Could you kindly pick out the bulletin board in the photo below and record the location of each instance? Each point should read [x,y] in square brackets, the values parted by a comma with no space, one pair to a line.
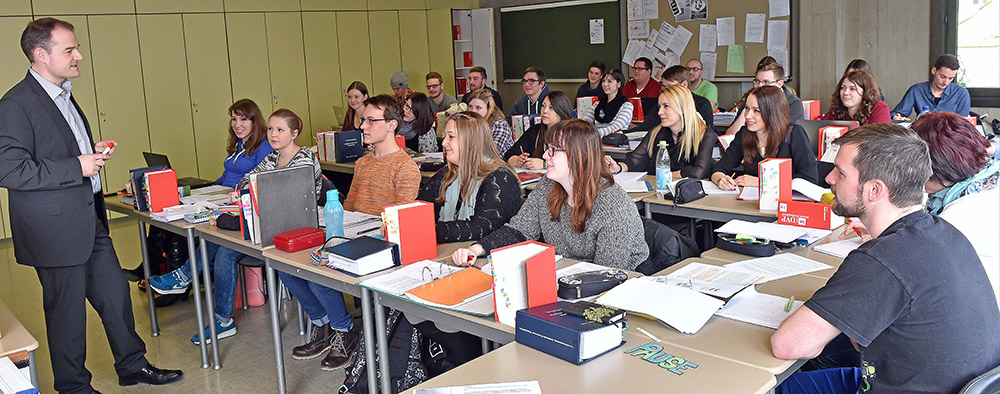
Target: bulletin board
[738,9]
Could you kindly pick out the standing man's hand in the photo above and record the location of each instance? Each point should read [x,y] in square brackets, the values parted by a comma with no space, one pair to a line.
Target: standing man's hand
[108,145]
[91,164]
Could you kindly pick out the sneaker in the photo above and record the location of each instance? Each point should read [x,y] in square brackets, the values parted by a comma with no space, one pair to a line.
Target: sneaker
[321,341]
[221,331]
[171,283]
[342,349]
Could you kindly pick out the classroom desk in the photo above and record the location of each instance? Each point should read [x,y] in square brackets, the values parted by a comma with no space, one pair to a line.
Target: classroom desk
[727,257]
[299,264]
[17,339]
[180,227]
[714,207]
[615,371]
[348,168]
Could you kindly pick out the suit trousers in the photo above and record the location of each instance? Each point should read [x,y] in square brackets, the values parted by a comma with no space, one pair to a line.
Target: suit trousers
[65,291]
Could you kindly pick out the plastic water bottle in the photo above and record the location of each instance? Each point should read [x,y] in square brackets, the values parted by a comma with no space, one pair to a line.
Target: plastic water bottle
[333,215]
[924,110]
[663,174]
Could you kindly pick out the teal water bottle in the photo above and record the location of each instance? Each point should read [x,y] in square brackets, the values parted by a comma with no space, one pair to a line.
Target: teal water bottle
[333,215]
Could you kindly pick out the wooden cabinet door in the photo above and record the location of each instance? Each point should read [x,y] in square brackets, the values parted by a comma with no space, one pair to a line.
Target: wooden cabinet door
[286,60]
[211,91]
[319,32]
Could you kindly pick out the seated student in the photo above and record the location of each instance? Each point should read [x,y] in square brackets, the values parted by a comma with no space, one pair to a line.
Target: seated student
[678,75]
[400,86]
[527,151]
[938,94]
[576,207]
[642,83]
[613,112]
[386,175]
[767,134]
[477,80]
[771,74]
[440,100]
[699,86]
[476,192]
[418,124]
[857,98]
[357,93]
[911,298]
[481,102]
[688,142]
[533,83]
[592,88]
[282,128]
[861,65]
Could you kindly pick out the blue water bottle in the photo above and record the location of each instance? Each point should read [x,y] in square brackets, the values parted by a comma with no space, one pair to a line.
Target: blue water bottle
[333,215]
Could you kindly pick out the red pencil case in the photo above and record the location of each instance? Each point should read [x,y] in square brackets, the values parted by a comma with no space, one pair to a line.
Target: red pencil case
[296,240]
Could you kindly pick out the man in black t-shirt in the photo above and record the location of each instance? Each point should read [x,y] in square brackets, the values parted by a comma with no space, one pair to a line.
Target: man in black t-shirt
[915,298]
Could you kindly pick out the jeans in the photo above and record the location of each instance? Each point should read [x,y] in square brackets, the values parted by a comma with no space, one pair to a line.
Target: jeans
[319,302]
[824,381]
[223,260]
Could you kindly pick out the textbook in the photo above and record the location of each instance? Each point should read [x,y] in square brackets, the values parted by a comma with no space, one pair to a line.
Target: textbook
[136,181]
[549,329]
[363,255]
[348,146]
[775,182]
[411,226]
[827,150]
[160,189]
[524,275]
[585,105]
[595,312]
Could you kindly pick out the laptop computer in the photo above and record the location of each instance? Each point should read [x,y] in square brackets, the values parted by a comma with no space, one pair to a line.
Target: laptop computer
[156,159]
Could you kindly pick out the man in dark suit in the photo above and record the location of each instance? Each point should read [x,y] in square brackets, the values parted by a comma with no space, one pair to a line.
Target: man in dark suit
[50,164]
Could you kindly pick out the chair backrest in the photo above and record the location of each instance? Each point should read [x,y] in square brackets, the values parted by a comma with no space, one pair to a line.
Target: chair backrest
[987,383]
[326,186]
[666,247]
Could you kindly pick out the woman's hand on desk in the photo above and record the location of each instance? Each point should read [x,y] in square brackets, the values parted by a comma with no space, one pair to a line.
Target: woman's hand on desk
[723,182]
[234,196]
[465,257]
[747,180]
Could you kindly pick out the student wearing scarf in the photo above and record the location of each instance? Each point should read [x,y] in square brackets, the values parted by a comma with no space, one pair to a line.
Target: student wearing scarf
[613,112]
[477,192]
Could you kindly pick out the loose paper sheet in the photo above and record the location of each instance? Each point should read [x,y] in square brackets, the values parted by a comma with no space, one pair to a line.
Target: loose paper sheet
[651,9]
[735,59]
[708,60]
[727,30]
[752,307]
[673,59]
[680,39]
[780,55]
[527,387]
[597,31]
[707,37]
[778,8]
[779,266]
[684,309]
[638,29]
[633,51]
[754,28]
[633,8]
[777,34]
[666,32]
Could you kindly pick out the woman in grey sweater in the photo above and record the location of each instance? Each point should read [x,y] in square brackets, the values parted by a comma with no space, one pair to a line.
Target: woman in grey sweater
[575,208]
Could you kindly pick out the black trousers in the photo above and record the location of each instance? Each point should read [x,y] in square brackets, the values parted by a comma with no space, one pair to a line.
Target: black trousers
[65,291]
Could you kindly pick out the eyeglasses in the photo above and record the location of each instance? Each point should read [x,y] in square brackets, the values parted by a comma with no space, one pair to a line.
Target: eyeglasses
[371,120]
[758,82]
[529,81]
[695,68]
[434,86]
[407,107]
[641,68]
[551,150]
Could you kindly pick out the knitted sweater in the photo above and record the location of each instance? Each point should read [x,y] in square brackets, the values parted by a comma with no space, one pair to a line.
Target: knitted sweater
[380,181]
[612,236]
[304,157]
[498,200]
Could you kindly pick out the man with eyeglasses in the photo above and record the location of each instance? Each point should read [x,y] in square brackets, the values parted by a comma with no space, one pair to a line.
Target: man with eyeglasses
[477,80]
[642,84]
[440,100]
[771,73]
[701,87]
[533,82]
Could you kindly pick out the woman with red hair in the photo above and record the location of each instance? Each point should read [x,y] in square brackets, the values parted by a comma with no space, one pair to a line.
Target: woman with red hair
[576,207]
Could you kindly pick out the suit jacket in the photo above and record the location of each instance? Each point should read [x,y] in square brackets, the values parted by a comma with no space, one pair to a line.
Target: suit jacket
[51,204]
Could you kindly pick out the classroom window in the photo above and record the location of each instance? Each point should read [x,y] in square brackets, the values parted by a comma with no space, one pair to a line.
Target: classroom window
[978,43]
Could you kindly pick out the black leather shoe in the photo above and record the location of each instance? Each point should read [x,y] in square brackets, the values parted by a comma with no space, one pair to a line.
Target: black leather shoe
[342,350]
[151,375]
[135,274]
[321,341]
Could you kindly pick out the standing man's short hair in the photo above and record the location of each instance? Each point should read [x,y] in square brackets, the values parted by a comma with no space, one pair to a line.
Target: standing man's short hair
[478,69]
[38,34]
[896,156]
[537,71]
[947,60]
[391,108]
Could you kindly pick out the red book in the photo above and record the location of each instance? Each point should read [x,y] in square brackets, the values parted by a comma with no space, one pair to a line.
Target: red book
[808,214]
[524,276]
[637,115]
[411,226]
[462,85]
[161,187]
[811,108]
[401,141]
[467,58]
[775,177]
[456,32]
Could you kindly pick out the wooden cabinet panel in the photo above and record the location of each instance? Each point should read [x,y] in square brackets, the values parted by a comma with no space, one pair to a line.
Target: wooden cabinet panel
[12,71]
[211,91]
[15,8]
[355,54]
[120,95]
[439,47]
[82,7]
[286,58]
[261,5]
[248,63]
[413,47]
[396,4]
[165,77]
[177,6]
[319,31]
[384,41]
[333,5]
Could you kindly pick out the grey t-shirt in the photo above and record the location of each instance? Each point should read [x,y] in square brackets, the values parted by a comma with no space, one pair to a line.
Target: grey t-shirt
[445,103]
[918,303]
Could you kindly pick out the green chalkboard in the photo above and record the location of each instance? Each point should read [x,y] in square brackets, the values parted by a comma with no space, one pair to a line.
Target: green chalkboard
[557,39]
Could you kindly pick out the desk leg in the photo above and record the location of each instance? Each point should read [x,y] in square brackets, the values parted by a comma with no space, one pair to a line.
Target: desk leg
[383,344]
[196,284]
[272,301]
[210,304]
[486,345]
[369,332]
[153,323]
[647,212]
[32,368]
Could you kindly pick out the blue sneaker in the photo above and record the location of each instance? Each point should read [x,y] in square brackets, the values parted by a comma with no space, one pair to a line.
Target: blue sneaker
[222,330]
[171,283]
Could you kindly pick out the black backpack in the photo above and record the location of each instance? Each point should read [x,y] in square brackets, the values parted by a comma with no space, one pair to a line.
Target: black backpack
[406,367]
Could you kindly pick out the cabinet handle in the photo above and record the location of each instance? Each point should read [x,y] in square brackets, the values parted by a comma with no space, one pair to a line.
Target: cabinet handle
[195,104]
[103,113]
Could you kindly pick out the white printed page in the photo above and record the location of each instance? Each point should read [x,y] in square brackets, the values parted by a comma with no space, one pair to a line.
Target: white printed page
[779,266]
[410,276]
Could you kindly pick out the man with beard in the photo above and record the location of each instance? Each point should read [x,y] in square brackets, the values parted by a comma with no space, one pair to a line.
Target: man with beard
[911,298]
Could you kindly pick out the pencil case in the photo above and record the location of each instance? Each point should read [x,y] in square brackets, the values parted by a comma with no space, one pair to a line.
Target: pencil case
[756,248]
[586,284]
[296,240]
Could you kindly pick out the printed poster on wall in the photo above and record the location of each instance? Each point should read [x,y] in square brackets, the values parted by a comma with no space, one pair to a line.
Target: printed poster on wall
[596,31]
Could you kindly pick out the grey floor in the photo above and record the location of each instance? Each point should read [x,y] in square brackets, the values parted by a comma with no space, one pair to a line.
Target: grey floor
[247,358]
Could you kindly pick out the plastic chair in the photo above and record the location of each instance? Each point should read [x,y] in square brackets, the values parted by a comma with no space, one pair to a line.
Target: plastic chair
[987,383]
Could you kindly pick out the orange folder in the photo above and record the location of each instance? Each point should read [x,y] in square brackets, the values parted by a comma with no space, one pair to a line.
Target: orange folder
[455,288]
